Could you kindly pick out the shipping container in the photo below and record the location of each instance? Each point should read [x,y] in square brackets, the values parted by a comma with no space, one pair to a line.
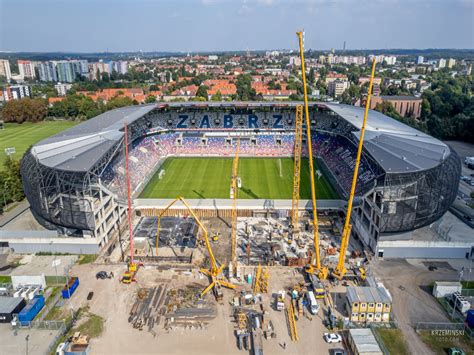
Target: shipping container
[470,318]
[70,287]
[30,311]
[10,306]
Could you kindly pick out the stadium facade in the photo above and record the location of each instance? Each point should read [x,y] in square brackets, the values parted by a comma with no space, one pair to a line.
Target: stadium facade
[74,180]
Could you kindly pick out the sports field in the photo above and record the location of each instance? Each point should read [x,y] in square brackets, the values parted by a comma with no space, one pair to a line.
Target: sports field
[262,178]
[21,136]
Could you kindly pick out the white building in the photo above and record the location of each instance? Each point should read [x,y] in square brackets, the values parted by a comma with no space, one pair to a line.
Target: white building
[451,62]
[16,92]
[5,69]
[295,61]
[420,60]
[26,69]
[390,60]
[62,89]
[442,63]
[337,87]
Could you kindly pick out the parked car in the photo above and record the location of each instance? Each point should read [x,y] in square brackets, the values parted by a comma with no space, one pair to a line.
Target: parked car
[90,295]
[332,338]
[101,275]
[337,352]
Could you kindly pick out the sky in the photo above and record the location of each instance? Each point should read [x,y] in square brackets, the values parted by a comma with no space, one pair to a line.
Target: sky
[227,25]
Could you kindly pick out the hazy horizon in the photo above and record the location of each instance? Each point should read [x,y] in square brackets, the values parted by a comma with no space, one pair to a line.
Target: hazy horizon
[106,26]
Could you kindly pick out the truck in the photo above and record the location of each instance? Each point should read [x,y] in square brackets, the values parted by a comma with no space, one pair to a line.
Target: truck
[312,303]
[280,301]
[29,312]
[318,288]
[71,286]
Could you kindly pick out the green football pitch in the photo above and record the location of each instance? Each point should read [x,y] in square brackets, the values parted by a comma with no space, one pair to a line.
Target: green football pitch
[21,136]
[262,178]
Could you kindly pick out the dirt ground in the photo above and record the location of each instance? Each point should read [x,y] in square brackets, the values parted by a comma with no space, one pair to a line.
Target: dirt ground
[408,284]
[113,301]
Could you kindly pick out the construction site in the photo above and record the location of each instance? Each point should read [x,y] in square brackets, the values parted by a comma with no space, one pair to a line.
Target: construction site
[271,275]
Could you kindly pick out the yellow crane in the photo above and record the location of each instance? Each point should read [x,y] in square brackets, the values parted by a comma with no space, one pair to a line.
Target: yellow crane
[297,168]
[340,269]
[215,272]
[315,266]
[234,190]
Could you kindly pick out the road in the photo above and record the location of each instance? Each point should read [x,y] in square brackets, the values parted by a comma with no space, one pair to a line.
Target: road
[408,284]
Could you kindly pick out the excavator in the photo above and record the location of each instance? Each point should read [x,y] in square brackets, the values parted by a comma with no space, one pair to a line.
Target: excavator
[216,279]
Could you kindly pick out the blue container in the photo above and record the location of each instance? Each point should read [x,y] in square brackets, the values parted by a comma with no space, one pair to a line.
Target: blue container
[70,288]
[30,311]
[470,318]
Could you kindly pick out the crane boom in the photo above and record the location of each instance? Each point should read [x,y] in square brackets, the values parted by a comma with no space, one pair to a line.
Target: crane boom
[340,270]
[322,272]
[234,189]
[297,168]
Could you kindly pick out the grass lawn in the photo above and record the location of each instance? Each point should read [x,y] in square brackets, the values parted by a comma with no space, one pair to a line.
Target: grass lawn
[262,178]
[393,340]
[87,259]
[21,136]
[440,344]
[5,279]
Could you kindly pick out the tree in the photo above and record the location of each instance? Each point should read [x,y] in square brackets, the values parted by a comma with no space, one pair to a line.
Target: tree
[150,99]
[11,187]
[245,92]
[202,91]
[311,75]
[217,96]
[24,110]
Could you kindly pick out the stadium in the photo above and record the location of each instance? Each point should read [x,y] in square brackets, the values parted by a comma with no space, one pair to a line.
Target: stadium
[75,180]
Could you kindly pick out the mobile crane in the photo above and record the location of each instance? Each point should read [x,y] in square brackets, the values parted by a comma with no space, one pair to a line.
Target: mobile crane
[234,189]
[214,272]
[297,169]
[314,266]
[129,275]
[340,269]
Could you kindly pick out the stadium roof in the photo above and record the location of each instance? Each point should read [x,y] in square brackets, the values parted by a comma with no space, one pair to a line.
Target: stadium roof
[394,145]
[79,148]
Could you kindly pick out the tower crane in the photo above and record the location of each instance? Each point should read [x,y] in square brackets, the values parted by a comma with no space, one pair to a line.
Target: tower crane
[315,266]
[297,169]
[340,269]
[216,279]
[233,190]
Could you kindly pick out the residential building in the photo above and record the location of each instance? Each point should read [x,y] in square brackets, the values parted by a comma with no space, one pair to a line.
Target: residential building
[62,89]
[420,60]
[406,106]
[47,71]
[26,69]
[368,304]
[390,60]
[332,76]
[336,88]
[451,62]
[66,71]
[16,92]
[366,79]
[442,63]
[121,67]
[5,69]
[295,61]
